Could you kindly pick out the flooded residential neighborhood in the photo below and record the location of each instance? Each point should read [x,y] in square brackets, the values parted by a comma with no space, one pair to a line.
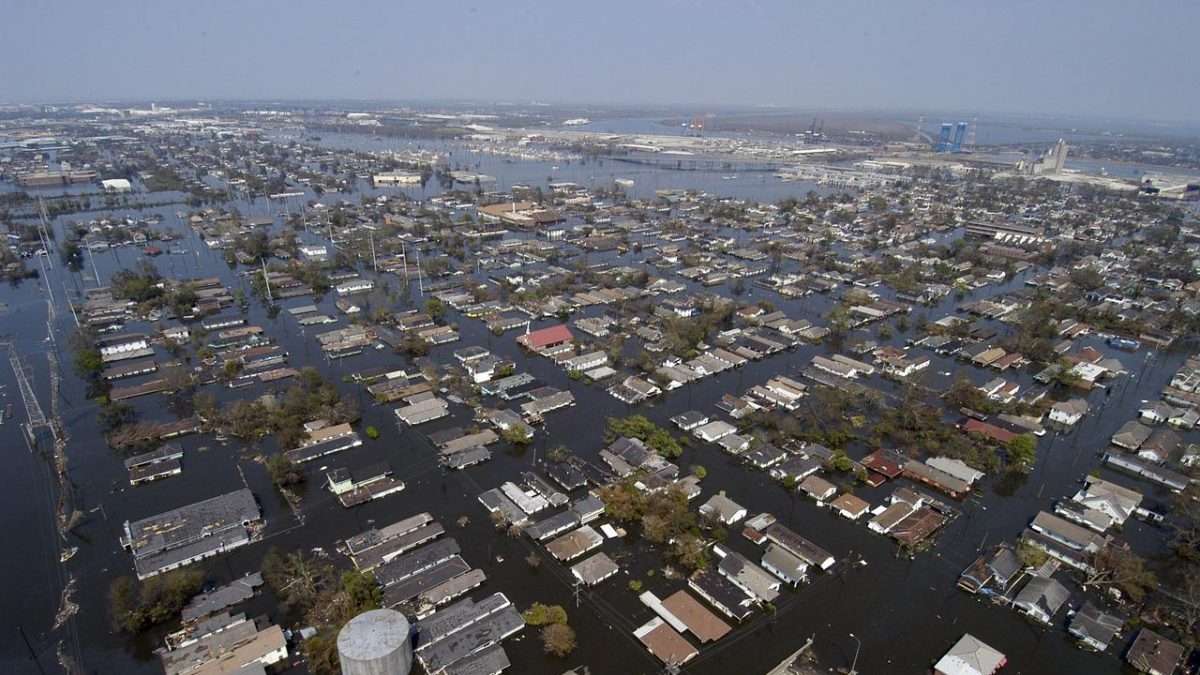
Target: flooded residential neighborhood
[451,387]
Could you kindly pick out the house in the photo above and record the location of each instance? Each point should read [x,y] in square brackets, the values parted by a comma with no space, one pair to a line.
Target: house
[888,463]
[690,420]
[714,431]
[746,575]
[936,478]
[818,488]
[1153,654]
[996,569]
[1094,627]
[970,656]
[781,563]
[722,594]
[797,469]
[1066,533]
[1184,418]
[1131,435]
[1041,599]
[734,444]
[849,506]
[354,286]
[1110,503]
[799,546]
[885,520]
[1069,413]
[585,362]
[705,625]
[546,340]
[990,431]
[1156,412]
[1148,470]
[956,468]
[917,526]
[665,643]
[1160,447]
[722,508]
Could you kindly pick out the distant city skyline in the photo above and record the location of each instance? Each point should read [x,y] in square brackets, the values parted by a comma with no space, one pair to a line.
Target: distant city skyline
[1068,58]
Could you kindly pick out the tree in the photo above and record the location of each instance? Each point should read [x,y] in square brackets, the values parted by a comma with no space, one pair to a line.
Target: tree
[159,599]
[284,471]
[1188,595]
[840,462]
[299,582]
[690,552]
[1120,569]
[541,615]
[113,414]
[178,379]
[412,346]
[321,653]
[1022,451]
[638,426]
[964,394]
[205,405]
[372,433]
[558,639]
[436,309]
[1031,556]
[88,363]
[1185,540]
[516,435]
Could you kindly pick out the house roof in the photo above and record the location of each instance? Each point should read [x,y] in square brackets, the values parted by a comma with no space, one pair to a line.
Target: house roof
[1091,622]
[663,642]
[1153,653]
[817,486]
[850,503]
[1047,594]
[723,507]
[970,656]
[548,336]
[1132,434]
[702,623]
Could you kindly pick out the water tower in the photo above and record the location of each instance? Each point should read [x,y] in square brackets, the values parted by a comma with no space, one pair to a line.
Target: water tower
[375,643]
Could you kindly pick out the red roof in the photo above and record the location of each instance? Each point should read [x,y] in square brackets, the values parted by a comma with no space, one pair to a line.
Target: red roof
[887,462]
[990,430]
[547,337]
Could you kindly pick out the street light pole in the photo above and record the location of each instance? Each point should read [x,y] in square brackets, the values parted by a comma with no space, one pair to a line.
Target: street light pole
[858,646]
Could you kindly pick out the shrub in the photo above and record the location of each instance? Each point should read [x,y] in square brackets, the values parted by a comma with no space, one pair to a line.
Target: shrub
[558,639]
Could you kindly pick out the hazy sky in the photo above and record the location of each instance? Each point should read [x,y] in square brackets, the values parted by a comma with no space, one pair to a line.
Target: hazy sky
[1091,57]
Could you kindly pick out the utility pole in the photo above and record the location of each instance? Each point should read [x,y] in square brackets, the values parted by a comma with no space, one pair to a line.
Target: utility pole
[267,282]
[70,304]
[32,654]
[858,646]
[92,257]
[374,262]
[43,234]
[404,254]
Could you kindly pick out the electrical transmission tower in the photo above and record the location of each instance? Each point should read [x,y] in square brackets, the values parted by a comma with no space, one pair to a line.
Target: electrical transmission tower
[35,416]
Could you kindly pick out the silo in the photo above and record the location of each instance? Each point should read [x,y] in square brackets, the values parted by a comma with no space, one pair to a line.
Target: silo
[375,643]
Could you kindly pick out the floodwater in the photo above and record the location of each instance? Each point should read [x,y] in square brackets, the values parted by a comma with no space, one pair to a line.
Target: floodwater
[906,612]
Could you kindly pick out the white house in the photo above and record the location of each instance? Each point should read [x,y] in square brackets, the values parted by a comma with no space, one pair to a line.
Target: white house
[1069,413]
[723,509]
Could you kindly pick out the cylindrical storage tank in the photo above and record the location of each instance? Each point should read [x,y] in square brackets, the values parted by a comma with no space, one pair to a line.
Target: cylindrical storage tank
[375,643]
